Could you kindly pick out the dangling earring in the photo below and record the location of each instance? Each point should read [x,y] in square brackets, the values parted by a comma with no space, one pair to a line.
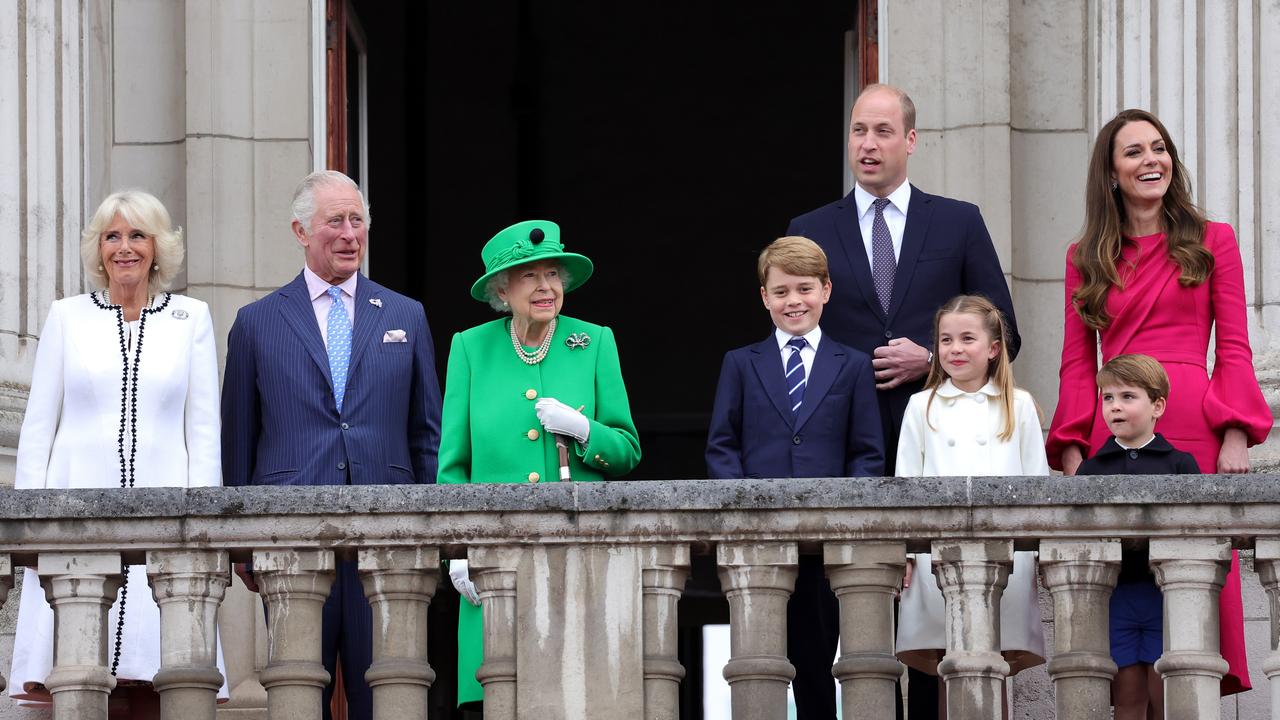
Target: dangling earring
[1114,185]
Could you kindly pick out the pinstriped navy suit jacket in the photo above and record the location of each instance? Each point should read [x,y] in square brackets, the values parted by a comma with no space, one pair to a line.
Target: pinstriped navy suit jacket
[280,423]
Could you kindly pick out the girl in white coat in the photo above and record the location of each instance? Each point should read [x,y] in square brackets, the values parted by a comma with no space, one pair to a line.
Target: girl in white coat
[108,410]
[970,420]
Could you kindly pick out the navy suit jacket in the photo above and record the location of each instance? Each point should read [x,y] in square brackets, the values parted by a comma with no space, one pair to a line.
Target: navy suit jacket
[280,422]
[946,251]
[755,434]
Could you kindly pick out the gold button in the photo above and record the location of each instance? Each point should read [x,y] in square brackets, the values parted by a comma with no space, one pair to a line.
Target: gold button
[530,394]
[597,458]
[534,477]
[533,434]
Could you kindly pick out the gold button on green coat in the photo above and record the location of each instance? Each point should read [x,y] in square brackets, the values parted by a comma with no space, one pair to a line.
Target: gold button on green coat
[485,404]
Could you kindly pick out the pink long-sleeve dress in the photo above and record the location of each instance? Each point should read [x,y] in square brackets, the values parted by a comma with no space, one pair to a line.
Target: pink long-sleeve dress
[1154,315]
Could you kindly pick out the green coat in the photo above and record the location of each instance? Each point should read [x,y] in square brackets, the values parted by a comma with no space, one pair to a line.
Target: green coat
[491,432]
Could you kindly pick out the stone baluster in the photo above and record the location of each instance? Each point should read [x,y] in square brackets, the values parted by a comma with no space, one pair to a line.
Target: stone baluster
[493,570]
[758,579]
[1267,562]
[865,577]
[81,589]
[188,586]
[294,585]
[1080,575]
[1190,572]
[664,570]
[6,584]
[972,575]
[399,583]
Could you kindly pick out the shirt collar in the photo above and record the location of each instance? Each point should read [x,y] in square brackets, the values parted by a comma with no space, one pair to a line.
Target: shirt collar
[899,198]
[813,337]
[948,390]
[1157,444]
[317,287]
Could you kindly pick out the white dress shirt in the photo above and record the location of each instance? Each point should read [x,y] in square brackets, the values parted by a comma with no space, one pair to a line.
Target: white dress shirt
[807,353]
[321,302]
[895,215]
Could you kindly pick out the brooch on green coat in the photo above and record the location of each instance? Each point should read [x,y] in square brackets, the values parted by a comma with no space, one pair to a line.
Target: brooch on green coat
[577,340]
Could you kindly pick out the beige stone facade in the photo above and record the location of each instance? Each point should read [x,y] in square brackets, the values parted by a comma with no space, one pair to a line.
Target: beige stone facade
[217,107]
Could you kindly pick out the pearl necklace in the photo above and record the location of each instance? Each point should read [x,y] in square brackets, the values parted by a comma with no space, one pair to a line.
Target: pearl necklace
[532,358]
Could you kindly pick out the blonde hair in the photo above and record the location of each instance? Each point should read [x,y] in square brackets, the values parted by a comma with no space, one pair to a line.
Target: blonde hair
[1140,371]
[793,255]
[1000,369]
[143,211]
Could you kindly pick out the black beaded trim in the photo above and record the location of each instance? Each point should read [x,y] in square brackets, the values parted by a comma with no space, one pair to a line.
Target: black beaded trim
[129,413]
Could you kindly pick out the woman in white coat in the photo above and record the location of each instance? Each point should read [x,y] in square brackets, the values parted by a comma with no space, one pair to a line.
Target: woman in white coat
[124,395]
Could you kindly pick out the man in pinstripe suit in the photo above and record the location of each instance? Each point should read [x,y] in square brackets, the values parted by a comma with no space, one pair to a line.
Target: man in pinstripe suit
[331,380]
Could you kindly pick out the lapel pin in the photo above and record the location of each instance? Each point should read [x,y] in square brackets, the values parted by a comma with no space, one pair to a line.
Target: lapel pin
[577,340]
[180,314]
[376,302]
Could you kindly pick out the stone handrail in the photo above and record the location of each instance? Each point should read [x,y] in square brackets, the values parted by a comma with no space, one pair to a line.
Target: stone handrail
[587,575]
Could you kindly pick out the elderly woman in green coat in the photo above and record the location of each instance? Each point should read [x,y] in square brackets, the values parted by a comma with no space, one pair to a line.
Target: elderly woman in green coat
[516,383]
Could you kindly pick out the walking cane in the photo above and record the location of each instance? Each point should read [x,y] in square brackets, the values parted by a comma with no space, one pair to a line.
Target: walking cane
[562,447]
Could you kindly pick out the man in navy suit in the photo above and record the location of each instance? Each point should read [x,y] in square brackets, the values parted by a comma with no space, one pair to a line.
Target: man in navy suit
[897,254]
[331,380]
[798,404]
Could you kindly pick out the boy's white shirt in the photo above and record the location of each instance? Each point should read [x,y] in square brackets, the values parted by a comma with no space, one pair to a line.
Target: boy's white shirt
[807,353]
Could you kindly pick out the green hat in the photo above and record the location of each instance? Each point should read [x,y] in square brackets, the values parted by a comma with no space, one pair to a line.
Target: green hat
[526,242]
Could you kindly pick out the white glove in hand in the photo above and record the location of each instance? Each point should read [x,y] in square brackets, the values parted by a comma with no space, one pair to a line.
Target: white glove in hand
[557,417]
[462,581]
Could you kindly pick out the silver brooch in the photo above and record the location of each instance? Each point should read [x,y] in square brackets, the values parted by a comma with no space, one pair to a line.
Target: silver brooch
[376,302]
[577,340]
[180,314]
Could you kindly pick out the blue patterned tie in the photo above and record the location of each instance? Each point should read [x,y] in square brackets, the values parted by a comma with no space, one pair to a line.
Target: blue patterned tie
[339,329]
[883,263]
[795,374]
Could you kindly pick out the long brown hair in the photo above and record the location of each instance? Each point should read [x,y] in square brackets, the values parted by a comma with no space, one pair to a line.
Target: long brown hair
[999,369]
[1098,251]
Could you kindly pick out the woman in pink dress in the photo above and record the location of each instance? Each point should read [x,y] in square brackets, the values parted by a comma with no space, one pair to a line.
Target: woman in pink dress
[1151,275]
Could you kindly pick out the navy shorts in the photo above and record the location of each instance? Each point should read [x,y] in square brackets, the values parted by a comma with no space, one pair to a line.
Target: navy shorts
[1137,624]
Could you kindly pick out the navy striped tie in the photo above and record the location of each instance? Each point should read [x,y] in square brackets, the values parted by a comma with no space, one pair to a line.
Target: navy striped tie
[795,374]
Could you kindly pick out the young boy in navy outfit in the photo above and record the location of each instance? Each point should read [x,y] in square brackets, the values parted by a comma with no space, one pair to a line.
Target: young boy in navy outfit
[798,404]
[1134,389]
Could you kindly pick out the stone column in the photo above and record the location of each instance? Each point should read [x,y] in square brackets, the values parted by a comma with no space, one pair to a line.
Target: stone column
[972,575]
[6,584]
[1190,572]
[188,585]
[1267,562]
[399,583]
[758,579]
[865,577]
[81,589]
[493,570]
[1080,574]
[665,568]
[294,585]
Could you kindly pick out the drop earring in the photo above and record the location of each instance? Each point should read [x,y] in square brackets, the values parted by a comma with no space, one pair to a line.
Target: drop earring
[1114,184]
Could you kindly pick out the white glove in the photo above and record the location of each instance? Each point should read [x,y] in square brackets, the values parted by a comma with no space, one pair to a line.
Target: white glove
[559,418]
[462,581]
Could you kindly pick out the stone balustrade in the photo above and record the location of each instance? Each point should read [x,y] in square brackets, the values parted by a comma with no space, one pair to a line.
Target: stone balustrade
[580,581]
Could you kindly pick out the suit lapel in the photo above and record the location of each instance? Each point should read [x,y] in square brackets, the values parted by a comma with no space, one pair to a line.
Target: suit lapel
[919,213]
[767,361]
[368,320]
[827,364]
[855,252]
[301,317]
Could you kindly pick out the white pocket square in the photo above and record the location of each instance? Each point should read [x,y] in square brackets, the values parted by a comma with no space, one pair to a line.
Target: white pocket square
[394,336]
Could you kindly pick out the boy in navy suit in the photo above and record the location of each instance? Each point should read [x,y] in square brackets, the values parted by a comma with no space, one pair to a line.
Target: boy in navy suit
[799,404]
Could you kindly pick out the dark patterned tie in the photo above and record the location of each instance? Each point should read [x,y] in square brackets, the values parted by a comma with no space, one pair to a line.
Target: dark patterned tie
[795,374]
[883,264]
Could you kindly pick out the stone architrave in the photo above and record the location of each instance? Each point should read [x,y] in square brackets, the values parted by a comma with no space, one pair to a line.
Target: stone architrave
[294,585]
[972,575]
[664,570]
[1081,574]
[865,577]
[758,579]
[494,571]
[1267,562]
[6,584]
[188,586]
[399,583]
[1190,572]
[80,588]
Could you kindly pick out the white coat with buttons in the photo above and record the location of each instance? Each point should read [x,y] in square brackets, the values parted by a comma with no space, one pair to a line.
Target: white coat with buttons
[961,437]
